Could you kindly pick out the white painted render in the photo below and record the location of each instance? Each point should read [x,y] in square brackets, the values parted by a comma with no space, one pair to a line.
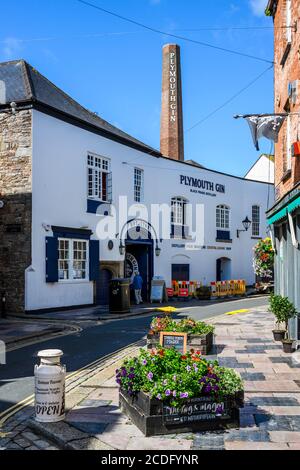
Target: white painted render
[60,199]
[262,170]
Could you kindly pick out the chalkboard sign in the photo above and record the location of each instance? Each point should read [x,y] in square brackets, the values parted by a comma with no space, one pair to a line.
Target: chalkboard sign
[170,340]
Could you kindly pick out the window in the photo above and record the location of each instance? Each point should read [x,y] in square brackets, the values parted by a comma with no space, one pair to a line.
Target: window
[178,209]
[289,21]
[99,178]
[223,217]
[288,144]
[179,229]
[255,221]
[138,185]
[72,259]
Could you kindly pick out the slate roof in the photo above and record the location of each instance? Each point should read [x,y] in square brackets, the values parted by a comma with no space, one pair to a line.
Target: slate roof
[21,83]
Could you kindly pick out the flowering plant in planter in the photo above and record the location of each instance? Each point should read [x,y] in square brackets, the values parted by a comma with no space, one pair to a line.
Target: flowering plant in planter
[264,258]
[169,376]
[187,325]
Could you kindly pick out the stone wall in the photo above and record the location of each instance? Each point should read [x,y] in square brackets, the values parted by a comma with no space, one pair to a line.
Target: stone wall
[285,72]
[15,216]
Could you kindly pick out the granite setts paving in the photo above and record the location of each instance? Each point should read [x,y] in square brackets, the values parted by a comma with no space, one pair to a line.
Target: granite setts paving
[270,419]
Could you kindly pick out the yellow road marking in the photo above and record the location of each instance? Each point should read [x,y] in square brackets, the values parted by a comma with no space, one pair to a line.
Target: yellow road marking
[236,312]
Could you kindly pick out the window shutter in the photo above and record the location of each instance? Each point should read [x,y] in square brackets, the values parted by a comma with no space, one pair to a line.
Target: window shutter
[51,259]
[94,260]
[109,187]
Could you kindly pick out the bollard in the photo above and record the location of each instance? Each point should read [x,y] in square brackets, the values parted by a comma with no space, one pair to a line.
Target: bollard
[50,377]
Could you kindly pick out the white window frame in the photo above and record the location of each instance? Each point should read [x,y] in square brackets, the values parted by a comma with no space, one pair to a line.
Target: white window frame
[223,212]
[178,215]
[71,260]
[289,21]
[288,144]
[138,185]
[96,166]
[256,223]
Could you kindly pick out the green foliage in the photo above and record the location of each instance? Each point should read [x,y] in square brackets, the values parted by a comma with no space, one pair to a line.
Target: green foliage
[268,12]
[167,375]
[283,309]
[203,291]
[187,325]
[263,262]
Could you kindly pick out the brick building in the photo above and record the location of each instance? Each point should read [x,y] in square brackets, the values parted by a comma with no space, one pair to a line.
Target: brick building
[284,216]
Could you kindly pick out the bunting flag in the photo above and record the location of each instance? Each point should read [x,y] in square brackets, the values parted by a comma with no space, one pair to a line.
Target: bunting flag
[265,126]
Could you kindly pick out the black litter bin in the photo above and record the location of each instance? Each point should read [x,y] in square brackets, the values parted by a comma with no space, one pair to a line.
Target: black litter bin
[119,296]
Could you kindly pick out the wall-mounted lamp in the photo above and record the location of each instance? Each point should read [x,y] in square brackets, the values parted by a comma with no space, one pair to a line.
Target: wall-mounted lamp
[157,250]
[246,224]
[122,249]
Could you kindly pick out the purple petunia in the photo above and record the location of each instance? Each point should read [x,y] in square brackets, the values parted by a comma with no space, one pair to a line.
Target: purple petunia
[174,393]
[219,410]
[184,395]
[168,392]
[150,376]
[159,397]
[124,373]
[131,376]
[144,362]
[118,381]
[188,368]
[174,378]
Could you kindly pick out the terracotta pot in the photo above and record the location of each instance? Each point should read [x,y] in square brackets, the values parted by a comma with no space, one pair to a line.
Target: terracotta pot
[279,335]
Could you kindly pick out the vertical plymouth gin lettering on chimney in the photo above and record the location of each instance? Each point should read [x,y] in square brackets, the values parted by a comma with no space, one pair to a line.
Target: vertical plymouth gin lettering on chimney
[171,139]
[173,88]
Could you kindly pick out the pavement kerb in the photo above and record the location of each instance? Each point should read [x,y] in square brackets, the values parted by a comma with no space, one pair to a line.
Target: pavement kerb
[148,310]
[59,328]
[56,432]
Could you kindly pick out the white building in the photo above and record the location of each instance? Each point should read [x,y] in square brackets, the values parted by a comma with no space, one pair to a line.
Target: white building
[263,169]
[80,165]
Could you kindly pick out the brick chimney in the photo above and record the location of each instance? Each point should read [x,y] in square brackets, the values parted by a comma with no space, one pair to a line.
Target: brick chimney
[171,132]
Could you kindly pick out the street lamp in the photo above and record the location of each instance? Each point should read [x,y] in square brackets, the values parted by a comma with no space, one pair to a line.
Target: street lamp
[246,224]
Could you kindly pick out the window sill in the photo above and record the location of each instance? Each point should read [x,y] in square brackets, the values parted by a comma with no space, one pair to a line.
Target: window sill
[223,241]
[74,281]
[286,176]
[256,238]
[286,54]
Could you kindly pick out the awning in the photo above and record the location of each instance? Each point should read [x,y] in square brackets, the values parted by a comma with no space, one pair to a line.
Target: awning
[279,215]
[294,205]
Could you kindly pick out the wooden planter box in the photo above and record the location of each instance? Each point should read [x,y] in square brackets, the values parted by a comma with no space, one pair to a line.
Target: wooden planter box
[154,418]
[202,343]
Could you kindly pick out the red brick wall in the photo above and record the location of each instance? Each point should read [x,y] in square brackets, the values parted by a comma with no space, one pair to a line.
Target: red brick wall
[290,71]
[171,135]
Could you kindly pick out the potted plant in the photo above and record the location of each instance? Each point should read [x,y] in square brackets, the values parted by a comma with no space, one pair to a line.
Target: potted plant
[203,293]
[277,306]
[163,392]
[289,312]
[200,335]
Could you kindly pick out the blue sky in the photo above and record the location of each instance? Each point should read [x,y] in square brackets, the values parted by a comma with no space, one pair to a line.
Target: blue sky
[114,68]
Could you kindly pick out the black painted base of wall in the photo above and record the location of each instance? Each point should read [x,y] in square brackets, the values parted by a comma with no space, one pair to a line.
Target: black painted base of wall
[153,418]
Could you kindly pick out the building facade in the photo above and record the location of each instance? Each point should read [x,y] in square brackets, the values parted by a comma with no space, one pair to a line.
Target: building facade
[284,216]
[77,194]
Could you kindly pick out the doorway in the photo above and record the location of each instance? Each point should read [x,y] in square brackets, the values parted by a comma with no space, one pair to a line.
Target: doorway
[139,258]
[223,269]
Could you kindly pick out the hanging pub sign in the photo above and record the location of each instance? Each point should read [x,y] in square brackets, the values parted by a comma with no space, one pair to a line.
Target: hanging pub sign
[170,340]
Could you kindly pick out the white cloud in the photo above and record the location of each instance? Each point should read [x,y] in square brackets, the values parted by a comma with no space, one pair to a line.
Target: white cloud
[258,7]
[11,47]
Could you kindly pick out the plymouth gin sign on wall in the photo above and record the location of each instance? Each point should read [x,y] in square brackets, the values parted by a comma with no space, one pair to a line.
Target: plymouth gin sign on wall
[201,186]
